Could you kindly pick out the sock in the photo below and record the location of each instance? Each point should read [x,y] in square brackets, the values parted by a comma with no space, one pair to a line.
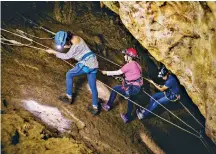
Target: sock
[142,111]
[95,107]
[69,96]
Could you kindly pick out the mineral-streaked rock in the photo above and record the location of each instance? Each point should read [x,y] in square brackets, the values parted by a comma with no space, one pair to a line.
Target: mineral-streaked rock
[48,114]
[182,35]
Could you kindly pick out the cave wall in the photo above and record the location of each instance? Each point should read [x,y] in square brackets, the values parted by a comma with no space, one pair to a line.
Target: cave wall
[182,36]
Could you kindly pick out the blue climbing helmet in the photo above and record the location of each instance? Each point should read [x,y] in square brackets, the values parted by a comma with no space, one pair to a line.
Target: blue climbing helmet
[163,72]
[60,39]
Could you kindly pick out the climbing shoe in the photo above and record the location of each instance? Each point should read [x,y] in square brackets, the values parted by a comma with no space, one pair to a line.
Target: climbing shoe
[65,99]
[124,118]
[92,110]
[105,107]
[139,114]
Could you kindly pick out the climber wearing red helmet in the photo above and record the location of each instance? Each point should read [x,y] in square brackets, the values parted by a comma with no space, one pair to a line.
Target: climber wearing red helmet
[131,84]
[131,52]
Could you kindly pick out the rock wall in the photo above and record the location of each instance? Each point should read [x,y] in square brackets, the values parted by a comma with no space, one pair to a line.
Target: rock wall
[181,35]
[64,13]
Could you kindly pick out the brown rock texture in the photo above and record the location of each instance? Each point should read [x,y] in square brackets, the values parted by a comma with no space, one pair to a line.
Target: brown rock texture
[21,133]
[182,36]
[64,13]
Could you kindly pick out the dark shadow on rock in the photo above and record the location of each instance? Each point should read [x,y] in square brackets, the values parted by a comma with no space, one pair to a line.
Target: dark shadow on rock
[3,112]
[15,138]
[5,103]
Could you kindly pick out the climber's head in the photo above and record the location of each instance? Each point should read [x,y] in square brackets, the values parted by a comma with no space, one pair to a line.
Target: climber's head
[163,73]
[63,38]
[130,54]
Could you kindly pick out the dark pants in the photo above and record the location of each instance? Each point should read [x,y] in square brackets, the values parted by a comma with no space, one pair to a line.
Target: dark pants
[133,90]
[160,97]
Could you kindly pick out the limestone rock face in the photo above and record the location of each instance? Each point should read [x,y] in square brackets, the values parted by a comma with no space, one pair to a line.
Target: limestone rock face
[63,12]
[181,35]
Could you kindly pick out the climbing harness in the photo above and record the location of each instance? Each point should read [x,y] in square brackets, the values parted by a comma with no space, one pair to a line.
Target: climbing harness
[85,58]
[197,134]
[126,84]
[172,100]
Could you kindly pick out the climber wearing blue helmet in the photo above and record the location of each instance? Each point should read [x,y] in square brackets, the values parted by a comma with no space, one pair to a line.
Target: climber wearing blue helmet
[169,92]
[87,64]
[60,39]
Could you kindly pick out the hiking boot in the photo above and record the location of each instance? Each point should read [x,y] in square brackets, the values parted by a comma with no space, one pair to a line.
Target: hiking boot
[139,114]
[105,107]
[124,118]
[93,111]
[65,99]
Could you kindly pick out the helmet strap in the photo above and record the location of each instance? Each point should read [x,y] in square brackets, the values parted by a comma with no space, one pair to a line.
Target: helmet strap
[128,58]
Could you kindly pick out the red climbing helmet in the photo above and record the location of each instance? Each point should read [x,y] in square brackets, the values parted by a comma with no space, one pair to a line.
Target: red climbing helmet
[131,52]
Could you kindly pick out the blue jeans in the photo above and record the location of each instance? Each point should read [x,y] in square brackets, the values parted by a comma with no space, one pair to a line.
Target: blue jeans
[160,97]
[76,71]
[133,90]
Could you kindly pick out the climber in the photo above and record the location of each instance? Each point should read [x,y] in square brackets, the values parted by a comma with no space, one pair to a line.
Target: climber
[131,84]
[87,64]
[169,92]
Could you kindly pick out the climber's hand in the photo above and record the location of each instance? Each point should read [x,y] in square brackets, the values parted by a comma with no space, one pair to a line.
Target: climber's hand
[51,51]
[67,46]
[178,97]
[150,81]
[104,72]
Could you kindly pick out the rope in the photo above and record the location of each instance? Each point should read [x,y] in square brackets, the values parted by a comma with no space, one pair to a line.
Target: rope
[36,25]
[40,27]
[25,37]
[20,44]
[108,60]
[203,141]
[17,35]
[151,111]
[10,44]
[191,114]
[24,33]
[206,145]
[121,94]
[103,58]
[161,104]
[144,107]
[13,42]
[171,112]
[200,137]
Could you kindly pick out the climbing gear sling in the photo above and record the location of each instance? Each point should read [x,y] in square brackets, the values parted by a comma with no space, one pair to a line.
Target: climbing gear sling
[86,68]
